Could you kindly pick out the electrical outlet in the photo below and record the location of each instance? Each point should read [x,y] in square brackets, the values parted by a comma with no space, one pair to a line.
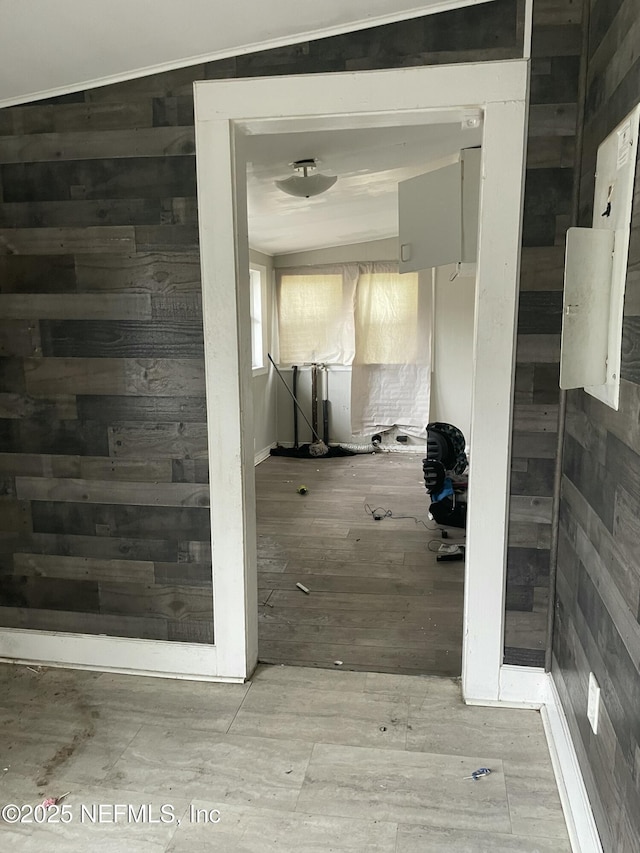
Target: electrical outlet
[593,703]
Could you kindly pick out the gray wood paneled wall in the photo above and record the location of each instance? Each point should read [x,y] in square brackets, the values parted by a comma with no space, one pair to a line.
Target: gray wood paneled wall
[555,63]
[598,595]
[102,373]
[104,522]
[104,509]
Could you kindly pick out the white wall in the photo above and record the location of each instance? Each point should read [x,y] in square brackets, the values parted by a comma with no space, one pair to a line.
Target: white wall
[264,396]
[452,377]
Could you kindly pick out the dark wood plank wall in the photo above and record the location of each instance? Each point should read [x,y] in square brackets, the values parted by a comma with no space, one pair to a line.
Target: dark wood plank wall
[597,614]
[555,63]
[104,465]
[104,522]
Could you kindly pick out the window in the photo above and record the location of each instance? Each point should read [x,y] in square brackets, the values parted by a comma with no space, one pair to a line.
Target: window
[387,328]
[315,315]
[258,347]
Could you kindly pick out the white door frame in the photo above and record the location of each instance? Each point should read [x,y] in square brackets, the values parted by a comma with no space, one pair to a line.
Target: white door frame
[227,111]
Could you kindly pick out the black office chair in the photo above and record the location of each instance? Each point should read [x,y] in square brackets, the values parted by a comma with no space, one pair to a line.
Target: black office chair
[443,471]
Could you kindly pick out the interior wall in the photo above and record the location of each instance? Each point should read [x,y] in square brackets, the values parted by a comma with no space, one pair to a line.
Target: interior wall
[452,376]
[104,507]
[264,380]
[598,591]
[98,199]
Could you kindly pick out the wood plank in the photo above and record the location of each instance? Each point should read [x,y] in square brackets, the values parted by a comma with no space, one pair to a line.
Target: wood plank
[37,274]
[76,306]
[156,440]
[145,628]
[101,547]
[108,178]
[158,273]
[533,510]
[118,239]
[18,406]
[183,574]
[18,337]
[542,268]
[149,470]
[112,492]
[134,377]
[121,338]
[89,145]
[37,464]
[534,445]
[65,118]
[167,238]
[538,348]
[84,213]
[158,409]
[15,516]
[177,82]
[535,417]
[120,521]
[552,120]
[193,631]
[83,568]
[138,599]
[33,592]
[185,307]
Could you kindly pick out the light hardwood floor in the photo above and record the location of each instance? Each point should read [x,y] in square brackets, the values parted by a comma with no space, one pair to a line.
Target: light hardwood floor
[298,760]
[378,599]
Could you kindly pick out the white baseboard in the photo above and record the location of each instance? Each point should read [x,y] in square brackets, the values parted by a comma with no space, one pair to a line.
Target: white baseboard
[531,687]
[263,454]
[192,661]
[581,825]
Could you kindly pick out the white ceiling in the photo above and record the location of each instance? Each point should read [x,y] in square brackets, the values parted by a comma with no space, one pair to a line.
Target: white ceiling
[363,204]
[52,47]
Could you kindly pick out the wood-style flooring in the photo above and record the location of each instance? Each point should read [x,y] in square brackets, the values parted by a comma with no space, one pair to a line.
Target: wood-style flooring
[378,599]
[299,760]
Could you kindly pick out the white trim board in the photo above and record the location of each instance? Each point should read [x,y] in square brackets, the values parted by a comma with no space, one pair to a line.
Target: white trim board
[195,661]
[227,111]
[263,454]
[581,824]
[530,687]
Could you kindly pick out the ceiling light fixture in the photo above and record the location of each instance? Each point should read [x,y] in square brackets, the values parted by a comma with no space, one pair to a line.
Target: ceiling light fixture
[303,184]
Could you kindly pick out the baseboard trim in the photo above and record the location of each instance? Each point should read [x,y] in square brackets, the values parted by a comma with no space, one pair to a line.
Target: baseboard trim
[531,687]
[581,824]
[263,454]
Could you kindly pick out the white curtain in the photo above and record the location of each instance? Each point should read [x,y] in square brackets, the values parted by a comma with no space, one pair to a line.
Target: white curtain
[391,370]
[315,314]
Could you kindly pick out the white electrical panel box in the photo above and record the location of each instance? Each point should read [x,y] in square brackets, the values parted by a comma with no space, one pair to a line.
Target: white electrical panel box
[586,292]
[438,215]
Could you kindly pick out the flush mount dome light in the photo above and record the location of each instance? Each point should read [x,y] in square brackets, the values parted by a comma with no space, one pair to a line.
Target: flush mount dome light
[305,183]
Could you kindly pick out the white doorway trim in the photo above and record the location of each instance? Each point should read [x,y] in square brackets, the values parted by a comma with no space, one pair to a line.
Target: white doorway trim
[227,111]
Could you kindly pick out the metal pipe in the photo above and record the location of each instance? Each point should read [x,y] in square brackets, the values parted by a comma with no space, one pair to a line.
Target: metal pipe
[293,397]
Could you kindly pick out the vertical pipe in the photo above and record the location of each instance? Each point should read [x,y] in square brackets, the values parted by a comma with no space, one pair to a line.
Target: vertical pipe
[314,398]
[295,408]
[562,409]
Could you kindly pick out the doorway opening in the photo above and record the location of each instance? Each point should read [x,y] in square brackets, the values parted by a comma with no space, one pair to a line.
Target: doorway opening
[360,541]
[228,114]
